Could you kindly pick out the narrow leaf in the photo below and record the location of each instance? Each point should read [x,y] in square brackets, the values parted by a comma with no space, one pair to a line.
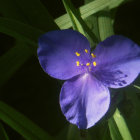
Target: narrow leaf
[20,30]
[21,124]
[3,134]
[9,9]
[72,13]
[85,11]
[30,12]
[131,110]
[78,22]
[12,60]
[121,124]
[92,22]
[36,14]
[73,133]
[114,132]
[106,30]
[138,87]
[105,25]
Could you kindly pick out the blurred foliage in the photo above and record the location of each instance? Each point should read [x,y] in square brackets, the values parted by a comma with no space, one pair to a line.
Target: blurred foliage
[25,87]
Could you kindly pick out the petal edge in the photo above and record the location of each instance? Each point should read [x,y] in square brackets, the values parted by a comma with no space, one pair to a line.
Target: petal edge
[56,53]
[84,100]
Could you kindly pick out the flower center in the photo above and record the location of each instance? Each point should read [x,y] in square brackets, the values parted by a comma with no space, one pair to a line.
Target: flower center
[86,64]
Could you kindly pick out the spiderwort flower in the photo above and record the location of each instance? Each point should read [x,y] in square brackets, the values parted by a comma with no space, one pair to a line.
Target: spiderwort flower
[85,97]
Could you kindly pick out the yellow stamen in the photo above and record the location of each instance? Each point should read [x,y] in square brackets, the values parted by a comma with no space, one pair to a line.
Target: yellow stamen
[86,50]
[93,55]
[81,64]
[94,63]
[77,63]
[87,64]
[78,54]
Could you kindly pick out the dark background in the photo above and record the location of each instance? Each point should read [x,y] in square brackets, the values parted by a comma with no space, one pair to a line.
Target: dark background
[36,94]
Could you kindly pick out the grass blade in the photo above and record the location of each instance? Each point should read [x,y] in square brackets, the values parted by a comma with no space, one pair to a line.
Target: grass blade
[9,9]
[138,87]
[87,10]
[73,16]
[114,132]
[92,22]
[30,12]
[21,124]
[131,110]
[20,30]
[121,124]
[117,122]
[78,22]
[12,60]
[3,134]
[105,25]
[36,14]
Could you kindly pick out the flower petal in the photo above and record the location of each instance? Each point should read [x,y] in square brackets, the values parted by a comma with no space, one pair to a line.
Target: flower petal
[84,100]
[61,53]
[118,61]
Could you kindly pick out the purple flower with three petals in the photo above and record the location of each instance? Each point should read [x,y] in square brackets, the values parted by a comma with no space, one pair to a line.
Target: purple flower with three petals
[85,97]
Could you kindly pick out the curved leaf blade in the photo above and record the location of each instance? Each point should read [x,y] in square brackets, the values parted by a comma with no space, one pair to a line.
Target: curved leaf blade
[3,134]
[21,124]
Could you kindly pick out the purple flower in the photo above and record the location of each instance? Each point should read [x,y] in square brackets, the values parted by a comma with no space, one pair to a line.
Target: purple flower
[85,97]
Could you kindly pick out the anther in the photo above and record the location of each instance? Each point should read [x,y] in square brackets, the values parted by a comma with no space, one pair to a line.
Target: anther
[86,50]
[77,63]
[78,54]
[93,55]
[94,64]
[87,64]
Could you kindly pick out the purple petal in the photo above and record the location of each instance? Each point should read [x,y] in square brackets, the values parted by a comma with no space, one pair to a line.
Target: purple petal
[84,100]
[61,51]
[118,61]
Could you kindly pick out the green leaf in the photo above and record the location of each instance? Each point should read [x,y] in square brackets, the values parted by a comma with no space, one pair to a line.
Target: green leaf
[117,124]
[62,134]
[30,12]
[76,134]
[114,132]
[105,25]
[9,9]
[15,57]
[36,14]
[131,110]
[115,4]
[3,134]
[138,87]
[73,16]
[73,133]
[87,10]
[104,132]
[20,30]
[12,60]
[92,22]
[106,136]
[21,124]
[78,22]
[121,125]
